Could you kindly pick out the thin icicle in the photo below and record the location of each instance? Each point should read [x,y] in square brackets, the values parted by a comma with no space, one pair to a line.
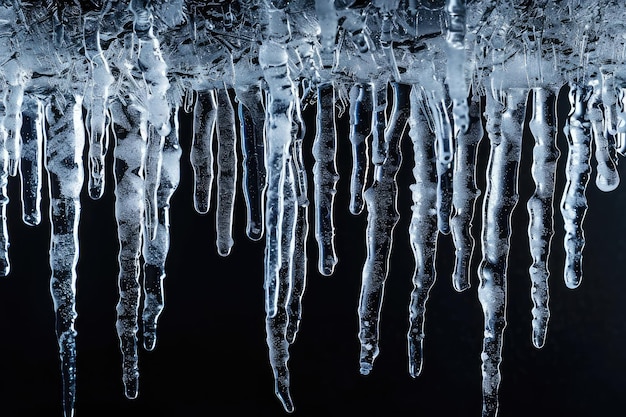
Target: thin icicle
[31,159]
[382,217]
[14,95]
[455,39]
[540,228]
[130,126]
[607,177]
[299,260]
[226,172]
[5,266]
[64,164]
[379,124]
[577,170]
[465,196]
[201,155]
[152,175]
[505,134]
[155,250]
[98,119]
[251,116]
[423,229]
[361,107]
[325,176]
[540,211]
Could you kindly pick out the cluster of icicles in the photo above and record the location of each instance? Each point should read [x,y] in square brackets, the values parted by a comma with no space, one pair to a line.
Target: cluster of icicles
[117,71]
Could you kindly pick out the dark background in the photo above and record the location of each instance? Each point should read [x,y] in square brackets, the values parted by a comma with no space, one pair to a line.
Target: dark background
[211,357]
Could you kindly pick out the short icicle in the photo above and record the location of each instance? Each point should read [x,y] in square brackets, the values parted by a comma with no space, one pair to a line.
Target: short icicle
[540,211]
[465,195]
[361,108]
[505,127]
[64,164]
[607,176]
[382,217]
[423,230]
[155,250]
[577,170]
[31,159]
[201,154]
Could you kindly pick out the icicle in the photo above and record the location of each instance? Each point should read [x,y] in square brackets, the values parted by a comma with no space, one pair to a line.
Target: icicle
[423,229]
[98,118]
[325,176]
[277,324]
[226,172]
[130,126]
[444,151]
[31,159]
[607,177]
[64,164]
[505,134]
[327,15]
[382,217]
[540,211]
[455,77]
[155,250]
[621,122]
[361,106]
[465,196]
[201,155]
[152,174]
[577,170]
[251,116]
[12,121]
[5,265]
[379,153]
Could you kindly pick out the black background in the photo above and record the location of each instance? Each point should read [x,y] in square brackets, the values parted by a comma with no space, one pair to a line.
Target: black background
[211,357]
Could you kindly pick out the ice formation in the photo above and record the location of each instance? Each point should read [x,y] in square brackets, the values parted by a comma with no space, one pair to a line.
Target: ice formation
[115,74]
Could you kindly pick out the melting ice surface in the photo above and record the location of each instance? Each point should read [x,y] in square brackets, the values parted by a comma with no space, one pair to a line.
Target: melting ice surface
[110,74]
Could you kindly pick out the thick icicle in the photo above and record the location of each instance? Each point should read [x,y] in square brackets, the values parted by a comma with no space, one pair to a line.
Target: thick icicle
[31,159]
[226,172]
[325,176]
[465,195]
[540,211]
[361,107]
[64,164]
[607,177]
[277,324]
[201,155]
[423,229]
[455,38]
[155,250]
[98,119]
[577,170]
[505,134]
[382,217]
[251,116]
[129,124]
[16,79]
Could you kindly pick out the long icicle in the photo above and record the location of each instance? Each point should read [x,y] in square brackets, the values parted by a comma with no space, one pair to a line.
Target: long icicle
[361,108]
[577,170]
[325,176]
[505,134]
[465,196]
[382,217]
[155,250]
[226,172]
[64,164]
[201,154]
[540,211]
[129,124]
[5,264]
[423,230]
